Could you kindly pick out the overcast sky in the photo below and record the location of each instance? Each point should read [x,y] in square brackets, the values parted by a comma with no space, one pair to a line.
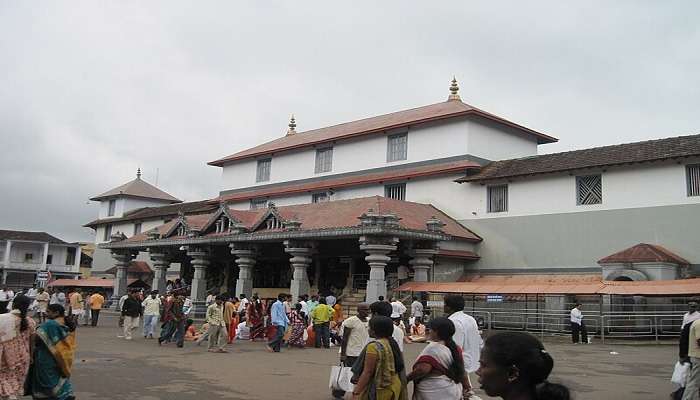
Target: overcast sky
[89,91]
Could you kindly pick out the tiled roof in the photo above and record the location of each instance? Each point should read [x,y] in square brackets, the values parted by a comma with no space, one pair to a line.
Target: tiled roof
[353,180]
[31,236]
[462,254]
[135,267]
[145,213]
[628,153]
[336,214]
[644,252]
[378,124]
[138,188]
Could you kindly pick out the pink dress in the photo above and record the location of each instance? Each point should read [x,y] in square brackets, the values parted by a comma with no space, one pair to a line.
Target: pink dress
[14,360]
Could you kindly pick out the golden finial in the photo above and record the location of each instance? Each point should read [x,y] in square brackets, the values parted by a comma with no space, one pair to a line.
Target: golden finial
[138,173]
[292,126]
[454,88]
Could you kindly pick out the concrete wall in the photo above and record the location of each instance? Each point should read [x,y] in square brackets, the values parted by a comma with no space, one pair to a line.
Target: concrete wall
[125,204]
[576,241]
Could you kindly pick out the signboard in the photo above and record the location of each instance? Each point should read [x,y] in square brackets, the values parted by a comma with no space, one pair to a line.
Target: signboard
[494,298]
[435,303]
[42,276]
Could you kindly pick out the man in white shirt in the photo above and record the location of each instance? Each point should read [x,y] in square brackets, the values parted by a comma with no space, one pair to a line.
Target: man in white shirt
[692,314]
[466,336]
[32,292]
[304,306]
[151,314]
[242,331]
[355,333]
[243,304]
[397,308]
[5,296]
[578,328]
[416,308]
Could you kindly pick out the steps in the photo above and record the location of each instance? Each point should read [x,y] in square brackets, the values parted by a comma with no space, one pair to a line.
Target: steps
[349,301]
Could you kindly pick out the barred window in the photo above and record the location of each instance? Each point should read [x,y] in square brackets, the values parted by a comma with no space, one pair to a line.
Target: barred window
[263,173]
[396,191]
[320,197]
[324,160]
[137,228]
[397,147]
[258,203]
[692,174]
[589,190]
[108,233]
[497,198]
[111,208]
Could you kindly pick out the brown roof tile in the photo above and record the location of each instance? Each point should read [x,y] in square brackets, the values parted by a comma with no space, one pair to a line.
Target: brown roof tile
[135,267]
[378,124]
[644,252]
[30,236]
[145,213]
[137,188]
[628,153]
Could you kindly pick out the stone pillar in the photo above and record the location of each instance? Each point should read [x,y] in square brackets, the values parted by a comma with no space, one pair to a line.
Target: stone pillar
[422,262]
[300,261]
[245,259]
[121,262]
[200,261]
[377,249]
[161,263]
[351,272]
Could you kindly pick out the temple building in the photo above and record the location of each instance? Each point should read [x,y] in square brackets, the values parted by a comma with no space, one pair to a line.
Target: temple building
[436,193]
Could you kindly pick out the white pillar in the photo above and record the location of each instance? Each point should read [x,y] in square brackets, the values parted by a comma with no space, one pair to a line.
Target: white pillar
[300,261]
[200,261]
[45,257]
[161,265]
[377,249]
[245,259]
[8,248]
[78,255]
[421,261]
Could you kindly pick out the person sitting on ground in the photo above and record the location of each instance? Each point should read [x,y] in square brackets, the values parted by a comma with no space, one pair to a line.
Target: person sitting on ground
[438,372]
[418,332]
[515,365]
[242,331]
[191,333]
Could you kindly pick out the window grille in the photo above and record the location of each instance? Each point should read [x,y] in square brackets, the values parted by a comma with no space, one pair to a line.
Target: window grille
[589,190]
[497,198]
[137,228]
[324,160]
[263,172]
[108,233]
[692,173]
[70,256]
[320,197]
[396,191]
[112,206]
[397,147]
[258,203]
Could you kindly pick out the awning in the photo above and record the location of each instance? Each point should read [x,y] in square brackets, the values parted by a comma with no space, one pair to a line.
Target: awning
[679,287]
[94,283]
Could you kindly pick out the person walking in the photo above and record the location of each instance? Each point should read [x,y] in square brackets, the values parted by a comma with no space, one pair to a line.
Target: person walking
[692,315]
[355,334]
[217,326]
[131,311]
[97,300]
[578,328]
[416,309]
[280,321]
[16,332]
[151,313]
[87,308]
[321,316]
[466,336]
[297,323]
[76,306]
[42,302]
[230,319]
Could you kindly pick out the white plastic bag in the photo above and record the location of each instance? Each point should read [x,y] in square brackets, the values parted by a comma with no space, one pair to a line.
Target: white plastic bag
[340,379]
[680,373]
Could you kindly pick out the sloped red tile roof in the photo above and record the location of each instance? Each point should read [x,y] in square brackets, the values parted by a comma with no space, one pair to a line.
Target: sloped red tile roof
[378,124]
[359,179]
[146,213]
[463,254]
[628,153]
[135,267]
[644,252]
[137,188]
[29,236]
[336,214]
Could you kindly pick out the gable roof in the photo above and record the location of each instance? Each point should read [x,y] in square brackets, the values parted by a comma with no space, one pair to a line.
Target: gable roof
[644,252]
[137,188]
[29,236]
[628,153]
[378,124]
[145,213]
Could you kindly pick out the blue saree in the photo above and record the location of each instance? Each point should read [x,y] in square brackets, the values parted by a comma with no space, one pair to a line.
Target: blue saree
[49,375]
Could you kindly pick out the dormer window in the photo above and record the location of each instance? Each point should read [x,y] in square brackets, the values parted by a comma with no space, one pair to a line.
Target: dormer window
[324,160]
[273,223]
[111,207]
[223,225]
[181,230]
[397,147]
[263,171]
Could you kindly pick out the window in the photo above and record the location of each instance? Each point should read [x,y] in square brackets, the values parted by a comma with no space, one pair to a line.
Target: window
[320,197]
[497,197]
[28,257]
[324,160]
[258,203]
[263,173]
[112,206]
[70,256]
[49,259]
[108,233]
[397,147]
[396,191]
[692,177]
[589,190]
[137,228]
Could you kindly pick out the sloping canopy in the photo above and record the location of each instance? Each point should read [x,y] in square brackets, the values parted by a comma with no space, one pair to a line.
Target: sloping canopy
[94,283]
[137,188]
[135,267]
[644,252]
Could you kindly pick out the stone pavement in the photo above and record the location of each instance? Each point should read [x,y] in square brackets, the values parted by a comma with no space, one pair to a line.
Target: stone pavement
[107,367]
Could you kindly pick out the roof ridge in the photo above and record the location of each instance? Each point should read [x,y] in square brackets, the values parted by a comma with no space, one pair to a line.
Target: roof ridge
[601,147]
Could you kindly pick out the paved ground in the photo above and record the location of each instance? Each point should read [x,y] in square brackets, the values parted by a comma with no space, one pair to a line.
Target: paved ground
[110,368]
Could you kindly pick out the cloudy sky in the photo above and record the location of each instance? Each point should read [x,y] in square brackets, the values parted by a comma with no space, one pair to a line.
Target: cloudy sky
[89,91]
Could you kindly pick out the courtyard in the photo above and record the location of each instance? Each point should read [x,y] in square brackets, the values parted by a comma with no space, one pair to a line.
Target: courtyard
[107,367]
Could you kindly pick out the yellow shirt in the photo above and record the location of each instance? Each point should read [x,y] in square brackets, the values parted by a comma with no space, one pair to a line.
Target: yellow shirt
[322,314]
[694,335]
[96,301]
[76,301]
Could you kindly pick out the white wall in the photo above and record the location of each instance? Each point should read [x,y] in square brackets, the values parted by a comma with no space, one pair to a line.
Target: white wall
[435,140]
[118,209]
[630,187]
[125,204]
[127,228]
[19,249]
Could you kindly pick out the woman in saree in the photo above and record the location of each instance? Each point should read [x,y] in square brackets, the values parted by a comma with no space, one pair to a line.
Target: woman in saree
[439,370]
[297,324]
[379,379]
[16,330]
[255,319]
[49,376]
